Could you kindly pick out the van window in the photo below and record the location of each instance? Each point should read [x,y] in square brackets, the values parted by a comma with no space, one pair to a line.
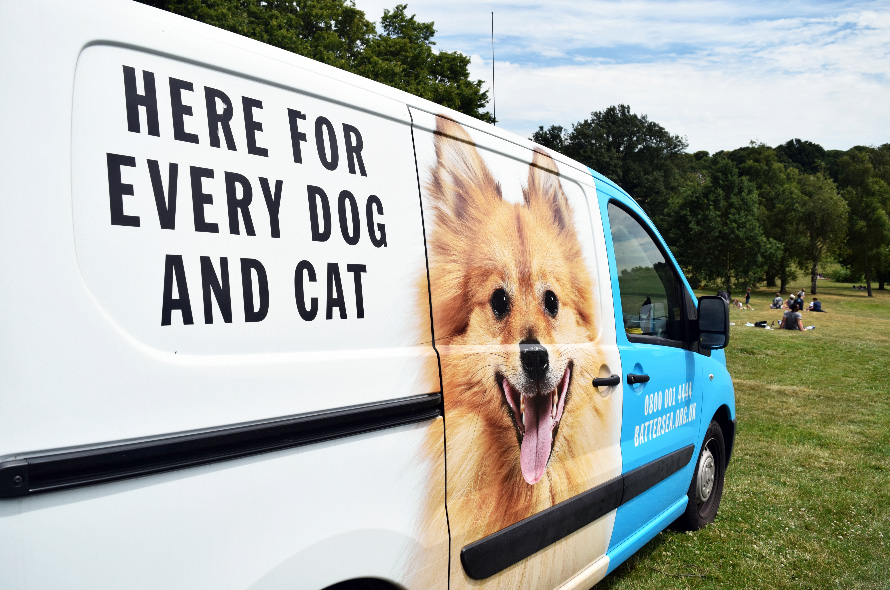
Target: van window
[649,286]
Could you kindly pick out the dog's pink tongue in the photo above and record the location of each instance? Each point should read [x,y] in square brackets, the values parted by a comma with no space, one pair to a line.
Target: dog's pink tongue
[535,449]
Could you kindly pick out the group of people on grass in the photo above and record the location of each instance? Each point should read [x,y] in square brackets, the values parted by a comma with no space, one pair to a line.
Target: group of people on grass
[792,319]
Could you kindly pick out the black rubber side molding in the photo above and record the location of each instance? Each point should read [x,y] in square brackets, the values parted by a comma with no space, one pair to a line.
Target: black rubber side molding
[35,472]
[496,552]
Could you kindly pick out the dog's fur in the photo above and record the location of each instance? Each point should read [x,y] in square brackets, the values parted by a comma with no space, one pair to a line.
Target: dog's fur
[479,243]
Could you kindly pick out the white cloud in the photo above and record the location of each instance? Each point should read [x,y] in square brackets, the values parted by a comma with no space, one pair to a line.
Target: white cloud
[720,73]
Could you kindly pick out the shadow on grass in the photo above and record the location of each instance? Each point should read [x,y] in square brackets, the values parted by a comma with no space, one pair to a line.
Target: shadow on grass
[852,293]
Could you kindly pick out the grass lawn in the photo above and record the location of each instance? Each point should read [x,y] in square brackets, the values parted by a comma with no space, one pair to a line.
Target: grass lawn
[807,496]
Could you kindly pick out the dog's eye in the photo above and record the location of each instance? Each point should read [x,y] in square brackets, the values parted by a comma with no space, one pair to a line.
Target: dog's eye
[500,303]
[551,303]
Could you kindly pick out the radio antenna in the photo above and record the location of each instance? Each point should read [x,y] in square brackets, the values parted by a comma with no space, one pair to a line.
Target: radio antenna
[494,104]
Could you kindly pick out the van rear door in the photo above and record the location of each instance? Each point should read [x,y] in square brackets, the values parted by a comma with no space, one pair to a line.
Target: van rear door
[523,323]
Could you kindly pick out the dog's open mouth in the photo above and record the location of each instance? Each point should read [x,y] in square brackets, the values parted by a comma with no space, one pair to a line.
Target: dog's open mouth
[536,418]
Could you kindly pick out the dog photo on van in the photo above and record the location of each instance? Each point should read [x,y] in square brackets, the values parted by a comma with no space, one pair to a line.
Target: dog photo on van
[515,321]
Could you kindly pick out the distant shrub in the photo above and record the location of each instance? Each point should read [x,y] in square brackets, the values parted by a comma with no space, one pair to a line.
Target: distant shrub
[845,275]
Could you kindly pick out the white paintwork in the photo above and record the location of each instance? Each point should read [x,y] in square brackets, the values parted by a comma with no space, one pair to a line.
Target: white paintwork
[298,519]
[586,578]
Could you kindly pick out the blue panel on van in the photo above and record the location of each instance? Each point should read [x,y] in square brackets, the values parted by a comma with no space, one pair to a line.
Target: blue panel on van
[658,417]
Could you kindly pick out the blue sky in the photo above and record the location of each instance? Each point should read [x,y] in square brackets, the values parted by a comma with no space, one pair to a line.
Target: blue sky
[720,73]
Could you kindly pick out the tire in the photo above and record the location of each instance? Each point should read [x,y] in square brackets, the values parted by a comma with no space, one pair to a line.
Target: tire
[706,487]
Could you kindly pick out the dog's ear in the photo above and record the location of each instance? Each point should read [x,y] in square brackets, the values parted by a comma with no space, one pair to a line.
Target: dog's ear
[461,183]
[544,191]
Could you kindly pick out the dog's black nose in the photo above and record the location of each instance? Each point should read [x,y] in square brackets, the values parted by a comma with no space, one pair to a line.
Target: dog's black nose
[534,359]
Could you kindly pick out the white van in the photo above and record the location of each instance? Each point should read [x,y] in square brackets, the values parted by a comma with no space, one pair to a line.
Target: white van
[269,325]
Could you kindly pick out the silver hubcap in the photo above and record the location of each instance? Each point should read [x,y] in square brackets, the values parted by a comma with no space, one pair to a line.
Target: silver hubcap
[705,482]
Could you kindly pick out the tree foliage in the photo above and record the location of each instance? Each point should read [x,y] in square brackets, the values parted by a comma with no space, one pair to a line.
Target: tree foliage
[337,33]
[804,155]
[713,227]
[823,220]
[753,214]
[638,154]
[780,217]
[868,228]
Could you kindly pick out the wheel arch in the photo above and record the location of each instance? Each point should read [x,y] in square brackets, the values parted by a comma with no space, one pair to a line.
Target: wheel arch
[728,426]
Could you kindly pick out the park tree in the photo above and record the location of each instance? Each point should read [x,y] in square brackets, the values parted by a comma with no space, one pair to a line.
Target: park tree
[880,161]
[831,160]
[554,137]
[402,56]
[638,154]
[868,226]
[778,198]
[823,221]
[337,33]
[804,155]
[713,227]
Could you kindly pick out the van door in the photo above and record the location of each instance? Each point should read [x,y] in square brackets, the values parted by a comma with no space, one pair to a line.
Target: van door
[661,393]
[522,329]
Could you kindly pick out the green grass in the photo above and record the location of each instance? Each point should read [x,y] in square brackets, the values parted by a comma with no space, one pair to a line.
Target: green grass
[807,496]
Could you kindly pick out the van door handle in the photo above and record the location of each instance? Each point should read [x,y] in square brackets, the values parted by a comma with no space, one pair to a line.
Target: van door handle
[633,379]
[606,381]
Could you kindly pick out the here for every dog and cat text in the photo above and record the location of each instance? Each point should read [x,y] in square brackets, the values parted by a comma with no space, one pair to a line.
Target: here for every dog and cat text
[239,198]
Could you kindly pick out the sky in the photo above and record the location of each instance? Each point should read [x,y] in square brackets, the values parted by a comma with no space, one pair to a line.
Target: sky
[719,73]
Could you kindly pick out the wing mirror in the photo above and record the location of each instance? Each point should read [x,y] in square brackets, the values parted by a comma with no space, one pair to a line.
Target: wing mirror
[713,322]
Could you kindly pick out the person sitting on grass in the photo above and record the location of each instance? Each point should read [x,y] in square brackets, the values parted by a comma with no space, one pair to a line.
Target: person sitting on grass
[816,305]
[792,320]
[777,302]
[790,302]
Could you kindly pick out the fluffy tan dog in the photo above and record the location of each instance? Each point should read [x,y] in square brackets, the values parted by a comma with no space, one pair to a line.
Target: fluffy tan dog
[514,323]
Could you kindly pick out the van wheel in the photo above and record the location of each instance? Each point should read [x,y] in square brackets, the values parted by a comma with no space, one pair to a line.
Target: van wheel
[706,487]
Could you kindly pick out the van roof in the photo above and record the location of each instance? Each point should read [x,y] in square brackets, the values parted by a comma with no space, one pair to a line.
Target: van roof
[609,182]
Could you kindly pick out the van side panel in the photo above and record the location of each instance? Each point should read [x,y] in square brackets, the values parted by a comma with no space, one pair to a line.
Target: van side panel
[280,281]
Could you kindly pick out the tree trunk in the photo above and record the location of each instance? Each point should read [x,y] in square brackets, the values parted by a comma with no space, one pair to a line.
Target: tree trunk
[727,278]
[783,280]
[881,285]
[868,279]
[813,278]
